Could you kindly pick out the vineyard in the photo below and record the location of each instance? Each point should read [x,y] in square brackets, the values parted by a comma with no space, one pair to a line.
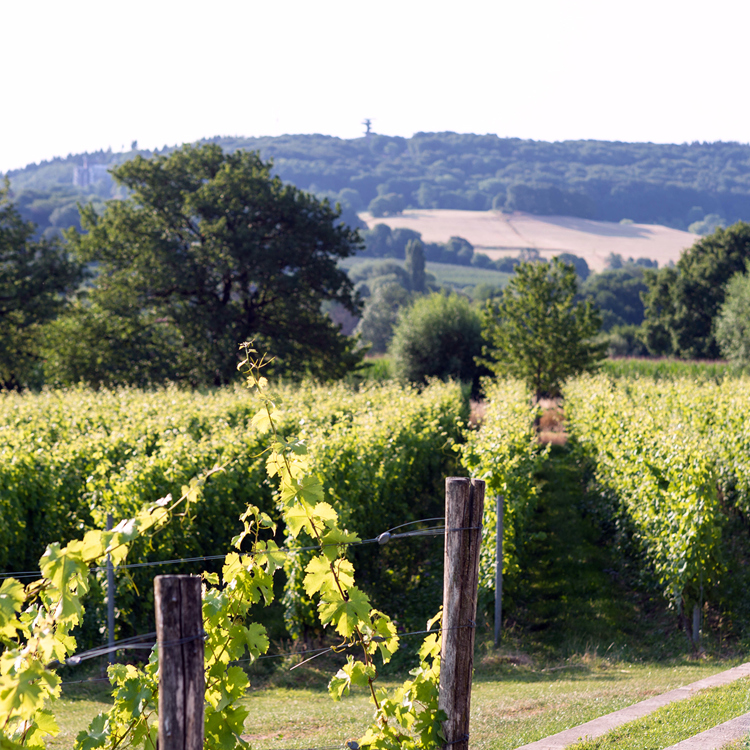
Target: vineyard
[67,458]
[671,465]
[279,499]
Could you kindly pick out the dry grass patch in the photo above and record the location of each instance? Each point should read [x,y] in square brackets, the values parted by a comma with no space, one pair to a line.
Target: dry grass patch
[551,426]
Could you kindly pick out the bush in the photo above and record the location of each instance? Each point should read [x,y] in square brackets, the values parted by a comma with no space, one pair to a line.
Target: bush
[733,321]
[438,336]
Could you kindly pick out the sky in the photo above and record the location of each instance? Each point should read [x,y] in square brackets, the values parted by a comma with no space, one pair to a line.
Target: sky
[82,76]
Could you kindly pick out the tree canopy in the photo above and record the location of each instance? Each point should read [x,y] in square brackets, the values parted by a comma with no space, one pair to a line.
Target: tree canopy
[733,320]
[438,336]
[682,302]
[674,184]
[210,250]
[537,332]
[617,294]
[35,276]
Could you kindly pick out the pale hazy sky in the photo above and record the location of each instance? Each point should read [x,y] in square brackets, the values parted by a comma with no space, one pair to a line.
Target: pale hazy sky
[81,75]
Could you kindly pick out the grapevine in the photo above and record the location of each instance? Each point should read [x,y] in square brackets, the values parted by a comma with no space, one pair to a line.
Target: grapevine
[36,620]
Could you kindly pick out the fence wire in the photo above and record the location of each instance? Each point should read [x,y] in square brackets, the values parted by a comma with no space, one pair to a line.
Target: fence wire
[383,538]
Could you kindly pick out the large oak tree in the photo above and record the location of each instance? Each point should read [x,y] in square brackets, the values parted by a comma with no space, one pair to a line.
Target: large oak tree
[208,251]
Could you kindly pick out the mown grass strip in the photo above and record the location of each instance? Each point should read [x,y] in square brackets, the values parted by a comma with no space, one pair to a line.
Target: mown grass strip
[677,721]
[668,368]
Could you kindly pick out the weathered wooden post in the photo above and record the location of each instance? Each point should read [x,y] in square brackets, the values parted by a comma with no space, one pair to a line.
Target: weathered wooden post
[464,504]
[500,500]
[179,638]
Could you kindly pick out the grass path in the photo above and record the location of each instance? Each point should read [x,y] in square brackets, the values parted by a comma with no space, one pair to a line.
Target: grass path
[571,599]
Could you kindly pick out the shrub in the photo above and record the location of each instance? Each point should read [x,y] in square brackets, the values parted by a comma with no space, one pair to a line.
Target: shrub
[438,336]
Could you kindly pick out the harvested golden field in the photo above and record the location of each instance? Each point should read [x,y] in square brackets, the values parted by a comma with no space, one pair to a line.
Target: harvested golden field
[498,234]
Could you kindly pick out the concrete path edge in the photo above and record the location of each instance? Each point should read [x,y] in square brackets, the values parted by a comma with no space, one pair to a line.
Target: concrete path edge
[604,724]
[716,738]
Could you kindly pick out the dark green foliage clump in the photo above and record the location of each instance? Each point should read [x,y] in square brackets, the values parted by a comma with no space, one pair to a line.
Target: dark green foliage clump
[617,294]
[35,277]
[439,336]
[682,302]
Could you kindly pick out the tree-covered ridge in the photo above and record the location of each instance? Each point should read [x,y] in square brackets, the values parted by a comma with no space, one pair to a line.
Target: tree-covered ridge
[672,184]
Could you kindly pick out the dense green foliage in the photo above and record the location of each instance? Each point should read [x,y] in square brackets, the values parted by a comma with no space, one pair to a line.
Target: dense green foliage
[381,314]
[415,266]
[732,324]
[383,242]
[674,184]
[35,276]
[505,453]
[438,336]
[210,250]
[36,621]
[671,459]
[68,457]
[617,295]
[537,331]
[682,302]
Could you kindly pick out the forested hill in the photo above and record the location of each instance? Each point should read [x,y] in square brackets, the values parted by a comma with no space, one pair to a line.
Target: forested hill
[667,184]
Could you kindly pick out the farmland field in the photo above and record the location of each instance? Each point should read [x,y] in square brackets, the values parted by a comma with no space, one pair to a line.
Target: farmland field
[497,234]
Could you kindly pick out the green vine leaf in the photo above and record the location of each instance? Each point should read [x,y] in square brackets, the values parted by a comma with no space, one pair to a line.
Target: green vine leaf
[353,673]
[96,735]
[321,577]
[344,614]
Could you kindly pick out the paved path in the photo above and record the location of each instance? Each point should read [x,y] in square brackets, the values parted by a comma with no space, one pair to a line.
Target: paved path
[604,724]
[716,738]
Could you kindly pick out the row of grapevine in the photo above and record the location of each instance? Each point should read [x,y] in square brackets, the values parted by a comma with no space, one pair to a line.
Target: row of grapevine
[68,458]
[672,456]
[36,620]
[505,453]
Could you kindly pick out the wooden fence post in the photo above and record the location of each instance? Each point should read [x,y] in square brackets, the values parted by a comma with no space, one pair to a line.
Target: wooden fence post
[499,569]
[179,638]
[464,504]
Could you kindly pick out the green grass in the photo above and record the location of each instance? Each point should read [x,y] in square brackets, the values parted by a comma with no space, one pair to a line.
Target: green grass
[445,273]
[667,368]
[677,721]
[512,703]
[570,596]
[378,367]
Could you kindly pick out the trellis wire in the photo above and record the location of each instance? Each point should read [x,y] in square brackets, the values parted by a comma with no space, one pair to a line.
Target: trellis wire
[128,643]
[386,536]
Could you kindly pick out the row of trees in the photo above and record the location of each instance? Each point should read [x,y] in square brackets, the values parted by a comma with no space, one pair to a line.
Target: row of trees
[210,249]
[674,184]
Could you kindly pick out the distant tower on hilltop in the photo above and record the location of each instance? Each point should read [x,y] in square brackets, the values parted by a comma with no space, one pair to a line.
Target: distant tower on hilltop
[86,175]
[81,176]
[367,122]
